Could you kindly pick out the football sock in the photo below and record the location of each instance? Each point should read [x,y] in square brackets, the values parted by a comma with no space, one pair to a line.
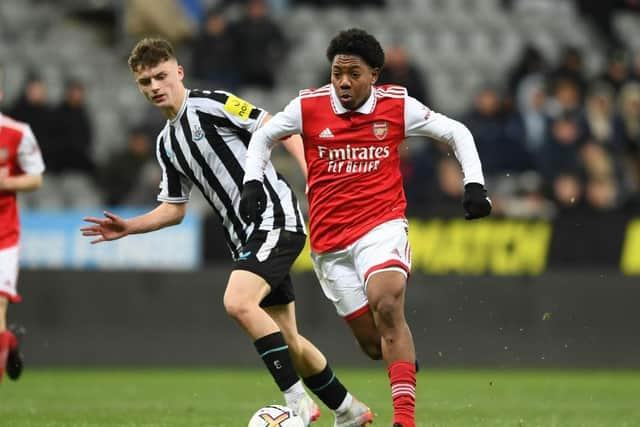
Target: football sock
[402,376]
[345,405]
[327,387]
[7,342]
[274,351]
[293,394]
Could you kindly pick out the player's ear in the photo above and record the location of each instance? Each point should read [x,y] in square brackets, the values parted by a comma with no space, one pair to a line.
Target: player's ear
[180,72]
[375,73]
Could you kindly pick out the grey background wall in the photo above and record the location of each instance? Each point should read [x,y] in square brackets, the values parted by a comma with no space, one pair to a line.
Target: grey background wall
[562,318]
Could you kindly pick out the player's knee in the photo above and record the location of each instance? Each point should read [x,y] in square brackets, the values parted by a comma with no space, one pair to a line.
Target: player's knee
[236,309]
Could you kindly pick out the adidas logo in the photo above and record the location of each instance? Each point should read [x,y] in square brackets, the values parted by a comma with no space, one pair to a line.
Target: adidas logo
[326,133]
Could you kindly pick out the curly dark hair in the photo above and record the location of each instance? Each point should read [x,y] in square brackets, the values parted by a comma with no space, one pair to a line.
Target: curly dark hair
[149,52]
[355,41]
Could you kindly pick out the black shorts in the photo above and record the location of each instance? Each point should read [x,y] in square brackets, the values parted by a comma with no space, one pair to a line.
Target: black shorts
[270,255]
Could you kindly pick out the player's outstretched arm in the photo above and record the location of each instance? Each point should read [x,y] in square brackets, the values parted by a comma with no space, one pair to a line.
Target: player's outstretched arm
[113,227]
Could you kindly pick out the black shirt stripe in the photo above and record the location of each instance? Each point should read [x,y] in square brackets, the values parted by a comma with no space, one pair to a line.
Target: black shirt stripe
[175,146]
[173,178]
[213,182]
[220,147]
[221,122]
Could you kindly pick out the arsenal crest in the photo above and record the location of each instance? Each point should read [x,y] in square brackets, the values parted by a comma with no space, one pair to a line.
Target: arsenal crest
[380,130]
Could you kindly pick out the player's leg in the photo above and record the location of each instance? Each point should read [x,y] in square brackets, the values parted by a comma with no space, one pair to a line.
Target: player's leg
[254,285]
[364,329]
[383,260]
[242,298]
[317,374]
[10,358]
[386,292]
[4,336]
[306,357]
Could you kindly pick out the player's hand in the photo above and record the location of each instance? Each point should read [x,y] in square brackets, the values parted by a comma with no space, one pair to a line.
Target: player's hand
[111,227]
[476,203]
[253,201]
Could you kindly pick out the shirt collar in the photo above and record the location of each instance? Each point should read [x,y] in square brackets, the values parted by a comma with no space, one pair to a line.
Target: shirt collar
[182,107]
[366,108]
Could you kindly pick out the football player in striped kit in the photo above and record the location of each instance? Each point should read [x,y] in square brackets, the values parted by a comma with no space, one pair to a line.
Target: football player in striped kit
[351,130]
[204,144]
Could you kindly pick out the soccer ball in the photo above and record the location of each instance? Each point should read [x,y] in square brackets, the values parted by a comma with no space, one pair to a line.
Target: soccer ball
[275,416]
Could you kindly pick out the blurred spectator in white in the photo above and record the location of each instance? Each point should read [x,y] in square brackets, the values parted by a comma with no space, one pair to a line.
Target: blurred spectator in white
[72,140]
[530,101]
[261,47]
[129,172]
[166,18]
[213,60]
[399,69]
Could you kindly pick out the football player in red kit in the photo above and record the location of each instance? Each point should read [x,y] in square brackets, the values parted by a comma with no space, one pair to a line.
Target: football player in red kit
[21,169]
[351,131]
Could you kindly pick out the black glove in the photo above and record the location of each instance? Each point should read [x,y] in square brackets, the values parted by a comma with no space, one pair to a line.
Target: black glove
[253,201]
[476,203]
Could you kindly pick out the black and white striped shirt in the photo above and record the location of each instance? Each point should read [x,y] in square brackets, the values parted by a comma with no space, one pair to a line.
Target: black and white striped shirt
[205,145]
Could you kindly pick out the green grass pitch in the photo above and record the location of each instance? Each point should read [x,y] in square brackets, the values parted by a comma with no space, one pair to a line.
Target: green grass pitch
[227,398]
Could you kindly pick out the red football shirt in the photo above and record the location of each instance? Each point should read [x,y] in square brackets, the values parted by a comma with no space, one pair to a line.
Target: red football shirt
[19,154]
[353,164]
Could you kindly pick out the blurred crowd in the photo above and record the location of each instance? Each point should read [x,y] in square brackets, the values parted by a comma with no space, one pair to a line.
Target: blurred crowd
[553,139]
[65,134]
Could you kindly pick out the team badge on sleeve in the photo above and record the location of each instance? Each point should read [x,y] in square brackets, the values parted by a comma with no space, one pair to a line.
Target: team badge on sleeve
[238,107]
[380,130]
